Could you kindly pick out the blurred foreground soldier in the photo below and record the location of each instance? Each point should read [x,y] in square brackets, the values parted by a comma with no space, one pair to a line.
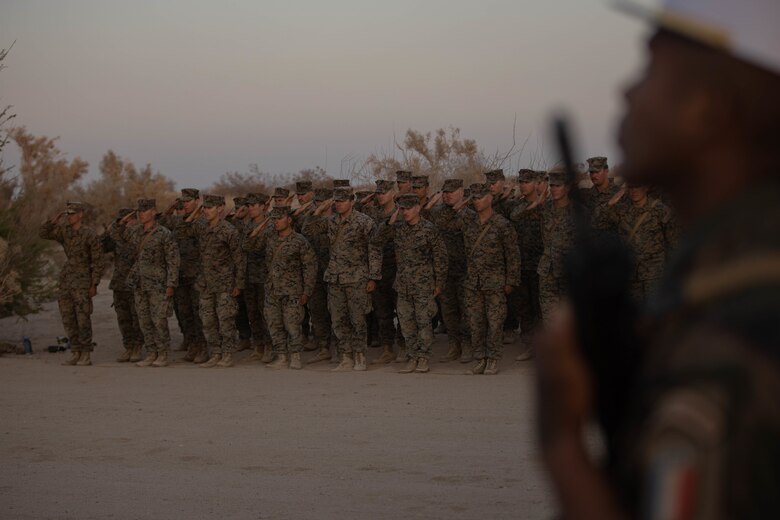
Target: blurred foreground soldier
[79,277]
[292,270]
[224,270]
[421,257]
[351,275]
[153,277]
[123,301]
[700,435]
[256,276]
[403,181]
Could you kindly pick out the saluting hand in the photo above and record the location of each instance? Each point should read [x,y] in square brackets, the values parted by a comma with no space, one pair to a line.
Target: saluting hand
[168,292]
[303,300]
[371,286]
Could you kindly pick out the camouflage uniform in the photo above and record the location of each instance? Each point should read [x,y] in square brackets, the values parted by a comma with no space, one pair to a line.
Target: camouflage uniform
[353,262]
[124,303]
[242,313]
[557,238]
[255,277]
[596,200]
[492,263]
[82,270]
[314,229]
[422,267]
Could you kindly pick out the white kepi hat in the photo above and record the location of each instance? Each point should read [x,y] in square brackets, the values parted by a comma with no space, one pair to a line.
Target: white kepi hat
[746,29]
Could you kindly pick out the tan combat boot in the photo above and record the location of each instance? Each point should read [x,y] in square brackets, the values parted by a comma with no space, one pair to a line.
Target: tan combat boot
[162,359]
[73,359]
[346,365]
[226,361]
[360,362]
[295,361]
[135,355]
[401,357]
[279,362]
[268,354]
[212,361]
[84,360]
[452,354]
[150,358]
[310,346]
[202,356]
[410,367]
[257,353]
[479,368]
[124,357]
[467,354]
[526,355]
[387,356]
[243,344]
[422,366]
[322,355]
[492,367]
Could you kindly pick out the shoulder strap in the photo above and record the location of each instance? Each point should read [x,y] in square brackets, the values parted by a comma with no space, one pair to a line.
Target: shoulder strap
[641,220]
[144,240]
[479,239]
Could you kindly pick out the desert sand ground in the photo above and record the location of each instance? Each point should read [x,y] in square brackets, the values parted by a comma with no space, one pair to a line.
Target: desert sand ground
[114,441]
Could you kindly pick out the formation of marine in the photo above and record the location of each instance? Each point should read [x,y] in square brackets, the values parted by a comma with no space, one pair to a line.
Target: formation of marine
[334,270]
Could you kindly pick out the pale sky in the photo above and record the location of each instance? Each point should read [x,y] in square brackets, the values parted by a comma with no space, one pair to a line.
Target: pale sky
[199,88]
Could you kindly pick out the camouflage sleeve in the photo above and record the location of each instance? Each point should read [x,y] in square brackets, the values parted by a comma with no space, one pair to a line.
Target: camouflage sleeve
[172,261]
[96,254]
[511,255]
[239,259]
[374,252]
[440,259]
[51,231]
[383,234]
[309,261]
[255,243]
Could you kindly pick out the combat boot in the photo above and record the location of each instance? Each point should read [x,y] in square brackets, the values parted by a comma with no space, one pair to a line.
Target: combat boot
[190,356]
[492,367]
[295,361]
[212,361]
[162,360]
[268,354]
[322,355]
[410,367]
[401,357]
[387,356]
[452,354]
[310,346]
[467,354]
[243,344]
[346,365]
[136,356]
[279,362]
[226,361]
[150,358]
[125,356]
[479,368]
[84,360]
[257,353]
[360,362]
[422,366]
[526,355]
[201,357]
[73,359]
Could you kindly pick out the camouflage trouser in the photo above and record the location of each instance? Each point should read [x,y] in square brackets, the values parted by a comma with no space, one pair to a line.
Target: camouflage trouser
[75,310]
[383,301]
[453,311]
[242,318]
[528,302]
[254,296]
[284,316]
[218,314]
[551,290]
[187,301]
[127,319]
[320,317]
[641,289]
[487,311]
[348,305]
[415,312]
[152,308]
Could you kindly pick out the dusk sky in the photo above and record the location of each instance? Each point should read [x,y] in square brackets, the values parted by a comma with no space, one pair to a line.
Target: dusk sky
[199,88]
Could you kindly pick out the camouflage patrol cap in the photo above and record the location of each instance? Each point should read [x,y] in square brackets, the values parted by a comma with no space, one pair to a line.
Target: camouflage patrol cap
[466,192]
[407,200]
[420,181]
[526,175]
[558,176]
[302,187]
[73,206]
[383,186]
[341,183]
[596,164]
[188,194]
[280,211]
[209,201]
[343,194]
[403,176]
[451,185]
[494,176]
[256,198]
[281,193]
[239,201]
[178,204]
[321,194]
[146,204]
[123,212]
[479,190]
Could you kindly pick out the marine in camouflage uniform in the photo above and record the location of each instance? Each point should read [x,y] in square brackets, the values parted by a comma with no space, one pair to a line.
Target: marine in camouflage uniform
[598,196]
[650,230]
[186,297]
[123,301]
[255,278]
[304,192]
[224,270]
[79,278]
[153,277]
[452,298]
[557,216]
[493,269]
[420,186]
[403,181]
[292,268]
[353,268]
[421,256]
[238,218]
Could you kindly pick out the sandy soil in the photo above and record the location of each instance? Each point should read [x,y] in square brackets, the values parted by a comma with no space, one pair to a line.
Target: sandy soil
[116,441]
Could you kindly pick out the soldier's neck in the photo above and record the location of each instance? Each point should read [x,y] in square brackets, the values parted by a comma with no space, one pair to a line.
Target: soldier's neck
[149,225]
[639,203]
[562,202]
[76,226]
[285,232]
[485,214]
[389,208]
